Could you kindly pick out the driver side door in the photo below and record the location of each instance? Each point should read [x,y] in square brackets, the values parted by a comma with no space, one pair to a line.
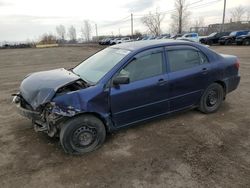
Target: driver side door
[146,94]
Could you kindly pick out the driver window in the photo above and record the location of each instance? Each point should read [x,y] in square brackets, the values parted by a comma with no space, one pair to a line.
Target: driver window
[144,65]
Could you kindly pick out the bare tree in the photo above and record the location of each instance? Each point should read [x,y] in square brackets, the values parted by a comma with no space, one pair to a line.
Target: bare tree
[61,31]
[248,15]
[180,16]
[72,33]
[137,34]
[86,30]
[237,13]
[47,39]
[153,22]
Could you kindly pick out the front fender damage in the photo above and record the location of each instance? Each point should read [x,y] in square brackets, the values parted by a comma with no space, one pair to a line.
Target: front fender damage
[67,105]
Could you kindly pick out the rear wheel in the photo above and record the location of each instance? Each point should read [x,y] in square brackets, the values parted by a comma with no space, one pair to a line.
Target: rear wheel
[229,42]
[246,42]
[211,98]
[82,134]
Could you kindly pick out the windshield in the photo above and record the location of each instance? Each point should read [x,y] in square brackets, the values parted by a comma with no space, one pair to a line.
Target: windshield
[96,66]
[233,33]
[212,34]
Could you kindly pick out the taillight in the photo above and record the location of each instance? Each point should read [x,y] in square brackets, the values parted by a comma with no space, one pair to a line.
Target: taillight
[237,64]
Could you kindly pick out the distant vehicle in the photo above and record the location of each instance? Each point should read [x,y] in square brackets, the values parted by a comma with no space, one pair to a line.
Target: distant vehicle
[243,39]
[113,41]
[138,38]
[213,38]
[185,39]
[175,36]
[230,39]
[122,40]
[151,37]
[105,41]
[148,38]
[159,37]
[123,85]
[101,41]
[191,36]
[166,36]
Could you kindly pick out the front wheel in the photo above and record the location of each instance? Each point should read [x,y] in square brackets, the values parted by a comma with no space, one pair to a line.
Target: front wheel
[210,42]
[211,98]
[82,134]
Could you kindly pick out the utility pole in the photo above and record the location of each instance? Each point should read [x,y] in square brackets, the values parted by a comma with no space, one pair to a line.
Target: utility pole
[132,26]
[223,18]
[96,32]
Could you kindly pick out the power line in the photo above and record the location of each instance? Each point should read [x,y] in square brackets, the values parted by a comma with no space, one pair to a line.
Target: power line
[191,6]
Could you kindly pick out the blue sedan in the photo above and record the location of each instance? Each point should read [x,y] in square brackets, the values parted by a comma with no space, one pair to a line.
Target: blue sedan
[123,85]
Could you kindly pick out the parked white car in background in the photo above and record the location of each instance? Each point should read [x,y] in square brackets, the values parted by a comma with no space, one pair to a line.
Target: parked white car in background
[114,41]
[190,36]
[122,40]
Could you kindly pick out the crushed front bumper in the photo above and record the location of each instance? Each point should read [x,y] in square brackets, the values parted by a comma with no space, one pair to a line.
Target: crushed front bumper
[28,113]
[42,121]
[31,114]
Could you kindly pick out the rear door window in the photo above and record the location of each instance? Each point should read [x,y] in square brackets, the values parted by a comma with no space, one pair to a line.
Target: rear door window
[181,59]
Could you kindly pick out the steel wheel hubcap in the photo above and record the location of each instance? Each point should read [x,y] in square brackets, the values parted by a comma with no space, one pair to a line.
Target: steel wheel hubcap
[212,98]
[84,136]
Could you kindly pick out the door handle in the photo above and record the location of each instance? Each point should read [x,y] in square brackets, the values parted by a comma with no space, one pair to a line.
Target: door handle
[204,70]
[161,82]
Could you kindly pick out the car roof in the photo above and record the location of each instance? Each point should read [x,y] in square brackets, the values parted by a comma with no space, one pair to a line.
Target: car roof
[136,45]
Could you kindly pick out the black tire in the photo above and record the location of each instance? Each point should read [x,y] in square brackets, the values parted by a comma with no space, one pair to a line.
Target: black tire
[211,98]
[228,42]
[246,42]
[210,42]
[239,43]
[82,134]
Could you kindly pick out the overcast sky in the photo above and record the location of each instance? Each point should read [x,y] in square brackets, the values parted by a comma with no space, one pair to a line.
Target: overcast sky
[21,20]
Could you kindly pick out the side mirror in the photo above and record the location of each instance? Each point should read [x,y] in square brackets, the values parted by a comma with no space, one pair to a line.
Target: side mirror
[121,80]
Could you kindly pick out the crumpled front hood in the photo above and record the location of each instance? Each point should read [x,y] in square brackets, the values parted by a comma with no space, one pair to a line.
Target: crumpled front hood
[40,87]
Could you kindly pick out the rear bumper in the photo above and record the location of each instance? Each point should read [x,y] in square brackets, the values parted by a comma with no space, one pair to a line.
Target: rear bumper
[232,83]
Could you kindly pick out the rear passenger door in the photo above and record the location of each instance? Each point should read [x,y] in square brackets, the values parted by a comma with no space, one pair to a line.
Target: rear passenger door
[189,74]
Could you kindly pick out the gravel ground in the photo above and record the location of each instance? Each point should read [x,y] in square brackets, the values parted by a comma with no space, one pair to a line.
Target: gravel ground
[188,149]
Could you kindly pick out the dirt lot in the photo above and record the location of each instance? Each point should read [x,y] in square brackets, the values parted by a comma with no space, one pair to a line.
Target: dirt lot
[188,149]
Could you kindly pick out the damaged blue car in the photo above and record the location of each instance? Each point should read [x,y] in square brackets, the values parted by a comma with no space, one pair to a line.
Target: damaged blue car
[123,85]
